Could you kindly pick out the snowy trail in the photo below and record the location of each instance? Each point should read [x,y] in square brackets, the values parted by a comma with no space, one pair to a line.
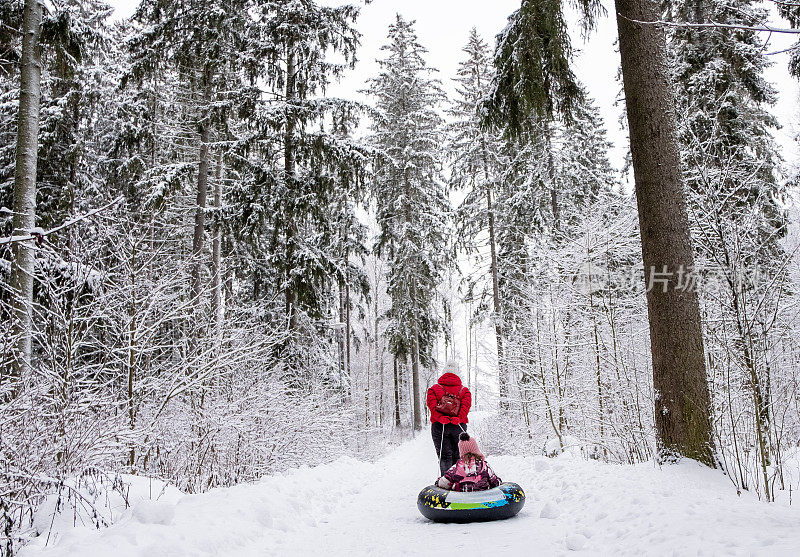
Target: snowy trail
[348,507]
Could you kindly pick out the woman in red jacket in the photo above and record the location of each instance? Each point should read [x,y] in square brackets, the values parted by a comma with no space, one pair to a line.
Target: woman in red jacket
[446,427]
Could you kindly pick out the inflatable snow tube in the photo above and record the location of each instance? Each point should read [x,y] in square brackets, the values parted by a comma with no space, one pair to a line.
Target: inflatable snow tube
[441,505]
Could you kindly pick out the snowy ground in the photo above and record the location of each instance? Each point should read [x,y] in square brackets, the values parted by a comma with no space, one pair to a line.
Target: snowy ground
[348,507]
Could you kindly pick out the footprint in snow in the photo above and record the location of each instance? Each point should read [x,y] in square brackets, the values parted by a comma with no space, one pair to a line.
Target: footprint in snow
[585,532]
[575,542]
[549,510]
[541,465]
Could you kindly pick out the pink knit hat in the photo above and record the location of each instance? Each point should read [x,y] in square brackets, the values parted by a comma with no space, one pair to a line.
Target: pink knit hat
[467,444]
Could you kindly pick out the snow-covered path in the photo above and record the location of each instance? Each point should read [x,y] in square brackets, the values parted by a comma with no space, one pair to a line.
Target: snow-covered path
[348,507]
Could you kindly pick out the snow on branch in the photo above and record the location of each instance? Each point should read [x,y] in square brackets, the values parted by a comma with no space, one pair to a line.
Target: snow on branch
[715,25]
[36,233]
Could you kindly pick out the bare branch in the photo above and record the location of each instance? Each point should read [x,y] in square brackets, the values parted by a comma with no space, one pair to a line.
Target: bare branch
[762,27]
[42,234]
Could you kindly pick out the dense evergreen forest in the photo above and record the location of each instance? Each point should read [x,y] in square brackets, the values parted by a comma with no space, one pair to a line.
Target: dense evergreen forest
[211,270]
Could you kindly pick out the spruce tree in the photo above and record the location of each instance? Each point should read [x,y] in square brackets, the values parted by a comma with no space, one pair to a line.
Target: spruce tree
[682,408]
[583,171]
[534,78]
[478,164]
[572,159]
[79,62]
[731,169]
[198,41]
[532,60]
[297,39]
[412,207]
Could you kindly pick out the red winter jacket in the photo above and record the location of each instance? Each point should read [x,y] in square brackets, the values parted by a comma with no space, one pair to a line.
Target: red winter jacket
[449,383]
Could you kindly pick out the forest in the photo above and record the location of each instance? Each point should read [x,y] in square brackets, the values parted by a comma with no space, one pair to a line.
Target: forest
[212,270]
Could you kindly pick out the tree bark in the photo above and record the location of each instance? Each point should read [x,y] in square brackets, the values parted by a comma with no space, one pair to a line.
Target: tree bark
[498,315]
[378,354]
[217,297]
[415,398]
[348,328]
[290,293]
[682,412]
[366,397]
[502,370]
[496,306]
[600,395]
[132,332]
[475,369]
[396,395]
[343,378]
[200,206]
[415,380]
[25,188]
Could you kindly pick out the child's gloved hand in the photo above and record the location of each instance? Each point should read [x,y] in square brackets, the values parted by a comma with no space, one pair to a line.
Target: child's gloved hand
[444,420]
[455,420]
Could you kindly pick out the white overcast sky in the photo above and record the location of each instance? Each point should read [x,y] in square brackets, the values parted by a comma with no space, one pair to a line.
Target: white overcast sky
[443,27]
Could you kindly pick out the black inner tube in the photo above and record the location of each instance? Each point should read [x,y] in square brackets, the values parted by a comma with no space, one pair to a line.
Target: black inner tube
[441,505]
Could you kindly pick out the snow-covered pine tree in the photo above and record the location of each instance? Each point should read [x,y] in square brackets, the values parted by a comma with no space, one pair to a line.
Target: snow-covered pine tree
[73,43]
[534,78]
[533,87]
[534,83]
[584,173]
[585,180]
[478,164]
[540,262]
[720,85]
[347,246]
[78,81]
[78,77]
[303,174]
[199,41]
[413,210]
[735,193]
[532,60]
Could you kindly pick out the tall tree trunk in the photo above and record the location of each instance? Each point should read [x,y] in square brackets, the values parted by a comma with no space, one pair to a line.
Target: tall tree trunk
[417,422]
[217,301]
[496,306]
[468,339]
[475,371]
[366,397]
[600,395]
[290,293]
[197,252]
[132,332]
[348,327]
[415,365]
[342,341]
[25,188]
[551,174]
[200,207]
[415,380]
[396,394]
[379,358]
[502,370]
[377,342]
[760,404]
[682,412]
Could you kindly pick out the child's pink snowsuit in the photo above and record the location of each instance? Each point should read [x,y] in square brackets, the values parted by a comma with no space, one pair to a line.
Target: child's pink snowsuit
[472,475]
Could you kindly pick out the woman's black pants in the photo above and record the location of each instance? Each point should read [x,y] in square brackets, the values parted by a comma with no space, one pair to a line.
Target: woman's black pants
[447,448]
